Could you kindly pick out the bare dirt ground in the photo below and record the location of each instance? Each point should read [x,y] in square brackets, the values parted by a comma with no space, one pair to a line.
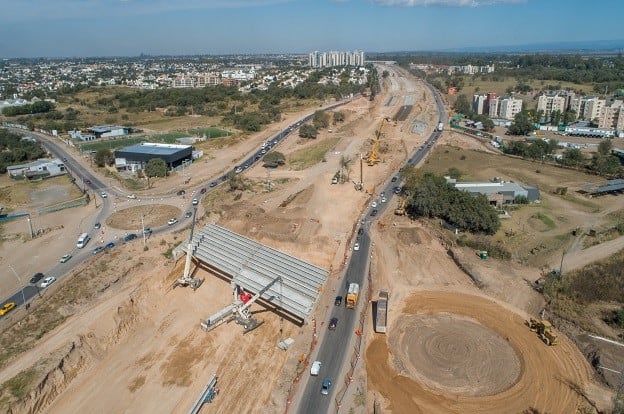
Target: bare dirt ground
[136,344]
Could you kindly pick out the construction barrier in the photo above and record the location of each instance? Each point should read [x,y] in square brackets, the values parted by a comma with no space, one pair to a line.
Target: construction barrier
[301,368]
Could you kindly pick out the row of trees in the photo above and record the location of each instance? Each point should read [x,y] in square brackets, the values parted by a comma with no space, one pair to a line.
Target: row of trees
[34,108]
[15,150]
[602,162]
[432,196]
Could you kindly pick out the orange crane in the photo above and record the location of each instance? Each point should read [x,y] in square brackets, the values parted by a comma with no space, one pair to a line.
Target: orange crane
[373,157]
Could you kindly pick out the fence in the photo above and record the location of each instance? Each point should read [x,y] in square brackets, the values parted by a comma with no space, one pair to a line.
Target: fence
[70,204]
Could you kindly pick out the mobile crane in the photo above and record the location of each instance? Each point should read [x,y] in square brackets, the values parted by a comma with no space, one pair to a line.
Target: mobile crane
[373,156]
[239,309]
[186,279]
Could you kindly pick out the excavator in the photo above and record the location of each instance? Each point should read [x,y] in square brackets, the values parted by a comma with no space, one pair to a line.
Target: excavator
[543,328]
[373,156]
[400,210]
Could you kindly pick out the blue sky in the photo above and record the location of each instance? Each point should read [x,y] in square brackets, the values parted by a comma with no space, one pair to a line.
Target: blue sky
[72,28]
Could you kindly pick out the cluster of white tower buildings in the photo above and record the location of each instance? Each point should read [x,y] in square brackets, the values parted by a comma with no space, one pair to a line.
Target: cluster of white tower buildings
[318,59]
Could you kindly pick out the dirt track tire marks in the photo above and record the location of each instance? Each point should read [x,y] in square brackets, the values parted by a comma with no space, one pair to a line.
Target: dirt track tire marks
[549,377]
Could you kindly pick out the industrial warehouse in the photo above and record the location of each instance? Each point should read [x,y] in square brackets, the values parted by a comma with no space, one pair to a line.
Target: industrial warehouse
[135,157]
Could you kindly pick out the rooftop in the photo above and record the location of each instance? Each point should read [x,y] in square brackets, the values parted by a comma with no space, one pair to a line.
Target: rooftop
[155,149]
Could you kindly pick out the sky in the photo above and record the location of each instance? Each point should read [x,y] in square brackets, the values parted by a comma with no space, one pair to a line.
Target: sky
[83,28]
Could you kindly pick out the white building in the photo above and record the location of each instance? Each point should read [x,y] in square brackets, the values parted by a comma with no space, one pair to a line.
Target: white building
[318,59]
[509,107]
[551,103]
[478,103]
[40,168]
[613,116]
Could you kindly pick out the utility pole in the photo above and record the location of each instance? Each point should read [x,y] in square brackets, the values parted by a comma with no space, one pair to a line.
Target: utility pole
[143,230]
[20,282]
[561,265]
[32,234]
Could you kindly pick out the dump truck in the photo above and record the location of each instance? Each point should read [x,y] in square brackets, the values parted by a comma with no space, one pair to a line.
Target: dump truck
[381,316]
[543,329]
[352,295]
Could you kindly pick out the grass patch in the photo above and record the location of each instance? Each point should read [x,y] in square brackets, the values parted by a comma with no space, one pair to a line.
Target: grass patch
[19,385]
[210,133]
[480,243]
[169,252]
[548,222]
[311,155]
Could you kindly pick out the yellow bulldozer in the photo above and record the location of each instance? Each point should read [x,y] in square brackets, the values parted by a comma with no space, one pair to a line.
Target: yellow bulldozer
[544,330]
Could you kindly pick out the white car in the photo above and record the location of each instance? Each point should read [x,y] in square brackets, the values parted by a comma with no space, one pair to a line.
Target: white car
[131,196]
[172,221]
[103,194]
[47,281]
[315,368]
[356,246]
[384,199]
[374,204]
[195,202]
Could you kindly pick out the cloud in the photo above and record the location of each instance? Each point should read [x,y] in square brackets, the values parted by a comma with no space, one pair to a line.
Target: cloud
[447,3]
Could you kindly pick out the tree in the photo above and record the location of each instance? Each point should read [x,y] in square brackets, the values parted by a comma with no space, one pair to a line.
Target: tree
[103,157]
[522,124]
[307,131]
[338,117]
[276,157]
[604,148]
[156,167]
[320,119]
[462,105]
[385,74]
[345,162]
[573,157]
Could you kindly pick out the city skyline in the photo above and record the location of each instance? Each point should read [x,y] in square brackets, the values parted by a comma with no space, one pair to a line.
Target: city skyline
[87,28]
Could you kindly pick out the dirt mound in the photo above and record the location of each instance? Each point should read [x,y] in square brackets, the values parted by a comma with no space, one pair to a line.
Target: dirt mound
[430,350]
[551,379]
[154,215]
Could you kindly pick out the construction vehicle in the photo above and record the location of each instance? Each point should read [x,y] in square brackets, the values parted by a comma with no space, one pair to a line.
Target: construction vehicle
[543,328]
[400,210]
[352,295]
[373,156]
[381,315]
[239,311]
[186,279]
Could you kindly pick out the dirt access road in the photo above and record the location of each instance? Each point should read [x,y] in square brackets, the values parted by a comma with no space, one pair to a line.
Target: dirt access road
[136,346]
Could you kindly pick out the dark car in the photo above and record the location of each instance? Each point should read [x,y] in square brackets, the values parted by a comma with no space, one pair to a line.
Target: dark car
[338,301]
[213,184]
[97,225]
[374,213]
[181,192]
[87,181]
[394,178]
[188,214]
[109,245]
[326,386]
[332,324]
[147,231]
[129,237]
[98,249]
[397,190]
[36,277]
[202,191]
[360,231]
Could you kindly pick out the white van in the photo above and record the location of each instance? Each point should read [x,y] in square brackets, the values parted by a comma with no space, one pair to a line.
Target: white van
[316,368]
[82,240]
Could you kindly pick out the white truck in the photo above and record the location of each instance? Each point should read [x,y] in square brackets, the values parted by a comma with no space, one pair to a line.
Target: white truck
[441,126]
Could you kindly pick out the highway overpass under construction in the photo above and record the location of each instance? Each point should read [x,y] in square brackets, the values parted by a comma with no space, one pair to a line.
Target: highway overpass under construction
[255,268]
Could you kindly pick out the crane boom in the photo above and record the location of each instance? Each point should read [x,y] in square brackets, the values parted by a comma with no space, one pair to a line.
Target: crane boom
[242,310]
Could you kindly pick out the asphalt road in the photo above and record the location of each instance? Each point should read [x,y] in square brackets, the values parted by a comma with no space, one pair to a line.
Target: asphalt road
[335,346]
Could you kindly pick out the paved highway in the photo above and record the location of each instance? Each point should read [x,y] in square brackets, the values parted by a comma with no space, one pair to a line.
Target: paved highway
[335,350]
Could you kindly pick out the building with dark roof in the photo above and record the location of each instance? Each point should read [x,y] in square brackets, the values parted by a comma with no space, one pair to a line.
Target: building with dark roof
[105,131]
[135,157]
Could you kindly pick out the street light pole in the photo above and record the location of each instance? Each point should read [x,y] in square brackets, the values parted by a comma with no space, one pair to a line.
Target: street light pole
[20,282]
[143,230]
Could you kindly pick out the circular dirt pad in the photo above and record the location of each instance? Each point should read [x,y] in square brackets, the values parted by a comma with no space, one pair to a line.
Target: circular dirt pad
[456,354]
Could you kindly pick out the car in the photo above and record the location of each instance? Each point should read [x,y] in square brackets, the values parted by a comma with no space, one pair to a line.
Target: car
[374,204]
[315,368]
[382,194]
[394,179]
[103,194]
[109,245]
[97,249]
[397,190]
[130,236]
[87,181]
[188,214]
[172,221]
[131,196]
[6,308]
[338,301]
[195,202]
[213,184]
[356,246]
[326,386]
[65,258]
[333,322]
[97,225]
[257,157]
[238,170]
[147,231]
[181,192]
[202,191]
[384,199]
[263,151]
[374,212]
[36,277]
[245,166]
[360,231]
[47,281]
